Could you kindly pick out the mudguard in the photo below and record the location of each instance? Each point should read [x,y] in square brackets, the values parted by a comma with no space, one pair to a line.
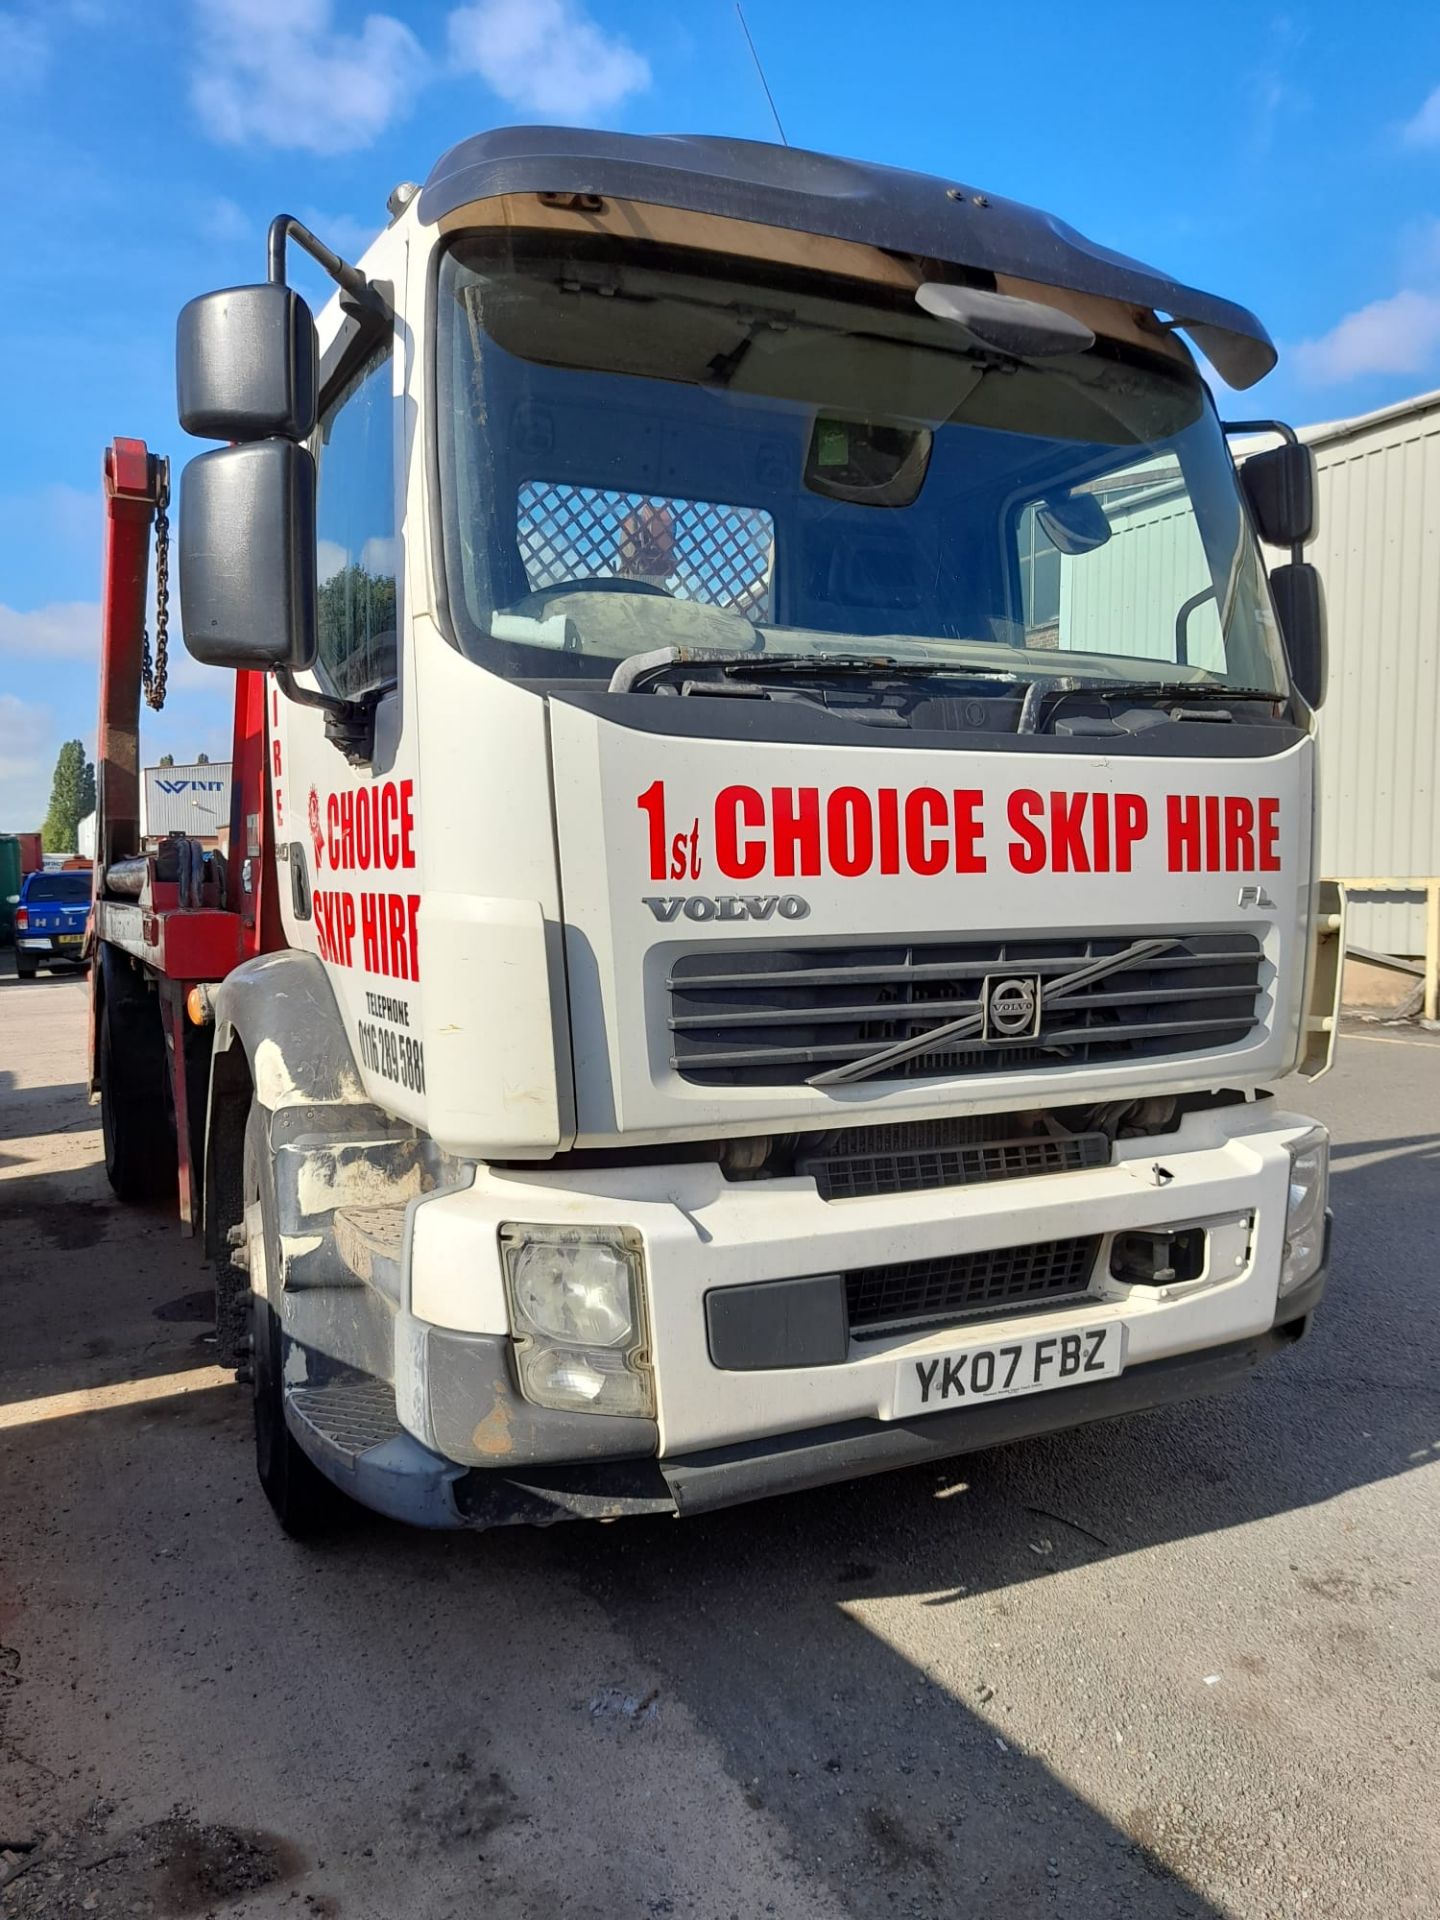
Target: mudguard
[279,1042]
[281,1008]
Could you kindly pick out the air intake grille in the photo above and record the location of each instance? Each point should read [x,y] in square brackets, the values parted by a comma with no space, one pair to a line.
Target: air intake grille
[859,1162]
[1004,1278]
[767,1016]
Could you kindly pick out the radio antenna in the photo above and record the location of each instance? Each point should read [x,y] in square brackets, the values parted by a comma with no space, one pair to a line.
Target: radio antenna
[774,110]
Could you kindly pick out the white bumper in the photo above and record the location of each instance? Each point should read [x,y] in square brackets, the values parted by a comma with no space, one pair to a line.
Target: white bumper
[1226,1169]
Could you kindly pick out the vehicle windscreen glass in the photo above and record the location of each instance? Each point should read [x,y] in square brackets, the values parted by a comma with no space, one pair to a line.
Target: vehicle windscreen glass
[58,889]
[641,452]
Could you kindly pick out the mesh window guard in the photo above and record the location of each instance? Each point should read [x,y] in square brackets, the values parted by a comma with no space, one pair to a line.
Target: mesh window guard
[693,549]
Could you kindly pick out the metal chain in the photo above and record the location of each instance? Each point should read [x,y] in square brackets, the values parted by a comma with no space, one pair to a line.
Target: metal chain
[152,677]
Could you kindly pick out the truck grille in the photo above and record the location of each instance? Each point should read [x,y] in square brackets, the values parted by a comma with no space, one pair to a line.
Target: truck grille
[1000,1280]
[773,1016]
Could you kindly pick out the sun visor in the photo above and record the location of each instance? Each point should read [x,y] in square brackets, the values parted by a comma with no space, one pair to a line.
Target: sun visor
[881,379]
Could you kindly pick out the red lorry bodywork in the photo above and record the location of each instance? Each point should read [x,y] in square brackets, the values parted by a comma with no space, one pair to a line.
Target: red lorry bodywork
[178,947]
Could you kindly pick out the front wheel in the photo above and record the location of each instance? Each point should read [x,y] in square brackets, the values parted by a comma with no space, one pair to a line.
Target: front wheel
[304,1501]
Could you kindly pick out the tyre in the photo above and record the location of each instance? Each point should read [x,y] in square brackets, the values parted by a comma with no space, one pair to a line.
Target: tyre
[303,1500]
[135,1121]
[25,967]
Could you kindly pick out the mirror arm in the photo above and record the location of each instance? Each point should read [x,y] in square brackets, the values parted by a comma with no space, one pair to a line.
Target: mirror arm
[349,724]
[363,299]
[1288,433]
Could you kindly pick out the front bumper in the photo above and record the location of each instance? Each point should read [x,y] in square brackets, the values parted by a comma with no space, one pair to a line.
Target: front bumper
[1225,1167]
[414,1484]
[723,1436]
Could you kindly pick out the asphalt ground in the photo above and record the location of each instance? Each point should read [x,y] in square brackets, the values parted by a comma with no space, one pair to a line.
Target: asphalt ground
[1187,1664]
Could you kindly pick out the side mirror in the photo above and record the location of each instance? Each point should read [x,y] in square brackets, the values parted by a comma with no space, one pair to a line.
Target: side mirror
[1300,609]
[247,556]
[1279,487]
[246,364]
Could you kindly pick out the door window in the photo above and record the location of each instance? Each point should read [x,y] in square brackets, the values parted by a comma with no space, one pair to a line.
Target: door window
[358,553]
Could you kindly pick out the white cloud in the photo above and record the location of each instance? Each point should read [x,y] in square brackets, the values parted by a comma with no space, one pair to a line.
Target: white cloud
[1400,334]
[380,555]
[63,630]
[546,57]
[278,71]
[1424,129]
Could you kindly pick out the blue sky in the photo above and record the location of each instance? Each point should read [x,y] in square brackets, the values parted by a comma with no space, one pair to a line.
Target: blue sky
[1288,158]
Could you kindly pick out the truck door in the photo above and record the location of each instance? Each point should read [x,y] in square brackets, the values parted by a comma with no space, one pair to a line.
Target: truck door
[352,892]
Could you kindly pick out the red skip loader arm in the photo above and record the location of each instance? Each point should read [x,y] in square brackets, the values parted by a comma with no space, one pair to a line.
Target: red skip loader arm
[175,947]
[133,478]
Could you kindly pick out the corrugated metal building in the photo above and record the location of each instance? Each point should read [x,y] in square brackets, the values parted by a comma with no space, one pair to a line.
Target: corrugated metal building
[1378,551]
[193,800]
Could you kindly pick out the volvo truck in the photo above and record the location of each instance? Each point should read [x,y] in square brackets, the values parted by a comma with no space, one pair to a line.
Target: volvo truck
[772,868]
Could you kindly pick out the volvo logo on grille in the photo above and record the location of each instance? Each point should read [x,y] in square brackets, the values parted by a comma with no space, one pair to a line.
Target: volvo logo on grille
[1012,1006]
[727,906]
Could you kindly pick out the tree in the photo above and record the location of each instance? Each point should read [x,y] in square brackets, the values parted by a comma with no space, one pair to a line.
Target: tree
[357,627]
[166,760]
[202,759]
[74,779]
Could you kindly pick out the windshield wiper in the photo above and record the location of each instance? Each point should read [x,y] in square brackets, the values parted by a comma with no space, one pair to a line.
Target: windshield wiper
[1178,690]
[641,668]
[875,663]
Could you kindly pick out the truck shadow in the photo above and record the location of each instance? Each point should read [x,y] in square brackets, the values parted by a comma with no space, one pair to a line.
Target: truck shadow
[778,1660]
[26,1112]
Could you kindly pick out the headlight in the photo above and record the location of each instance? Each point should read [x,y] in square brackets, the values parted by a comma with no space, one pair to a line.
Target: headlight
[574,1289]
[578,1314]
[1305,1214]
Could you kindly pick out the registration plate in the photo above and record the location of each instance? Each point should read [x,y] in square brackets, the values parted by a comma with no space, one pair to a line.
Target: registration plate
[1032,1364]
[69,939]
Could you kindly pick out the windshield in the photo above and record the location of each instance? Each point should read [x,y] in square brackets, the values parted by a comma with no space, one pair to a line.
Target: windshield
[640,452]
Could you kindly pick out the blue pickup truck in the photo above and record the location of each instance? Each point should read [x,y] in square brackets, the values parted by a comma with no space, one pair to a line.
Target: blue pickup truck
[50,920]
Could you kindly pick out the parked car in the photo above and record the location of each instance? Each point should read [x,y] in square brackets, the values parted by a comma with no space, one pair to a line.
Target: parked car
[50,921]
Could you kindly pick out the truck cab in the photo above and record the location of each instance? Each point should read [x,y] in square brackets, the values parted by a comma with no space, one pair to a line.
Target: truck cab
[780,840]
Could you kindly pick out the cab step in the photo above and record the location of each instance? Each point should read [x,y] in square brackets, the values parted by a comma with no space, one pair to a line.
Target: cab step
[349,1428]
[348,1417]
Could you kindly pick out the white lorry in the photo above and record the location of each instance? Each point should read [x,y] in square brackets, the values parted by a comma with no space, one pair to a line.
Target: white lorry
[773,852]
